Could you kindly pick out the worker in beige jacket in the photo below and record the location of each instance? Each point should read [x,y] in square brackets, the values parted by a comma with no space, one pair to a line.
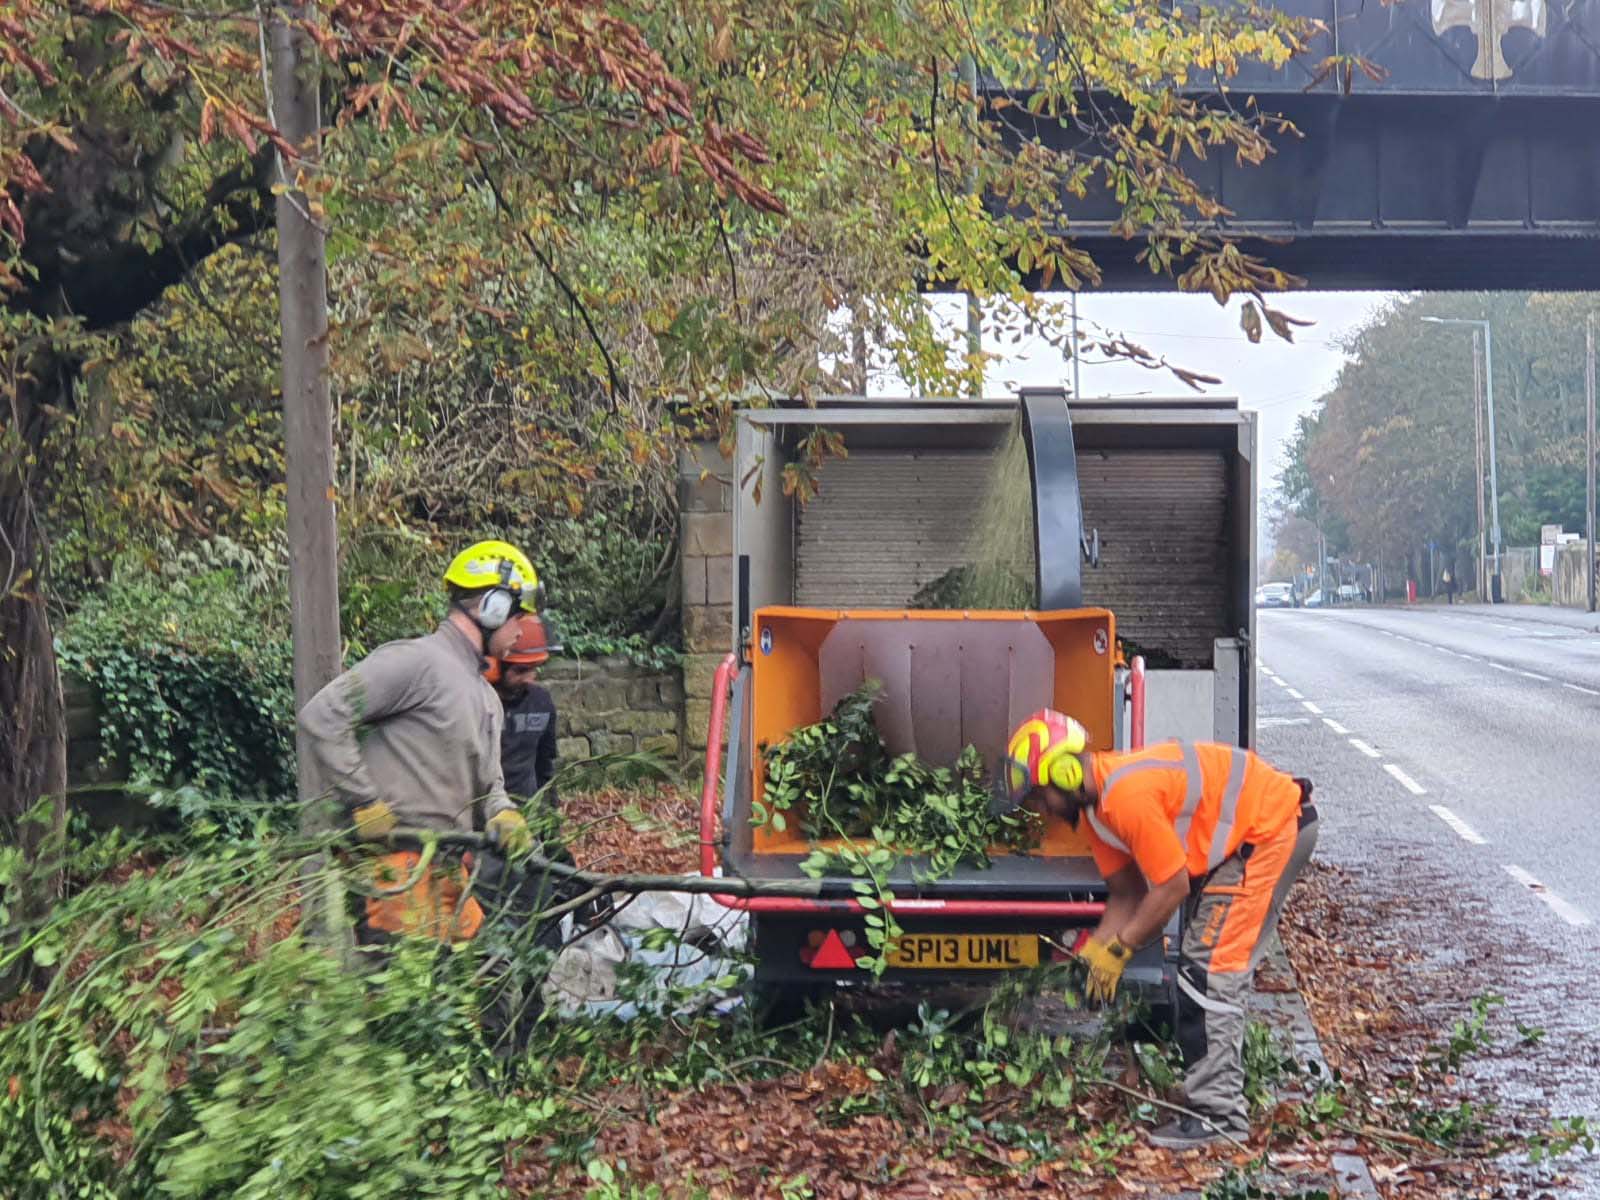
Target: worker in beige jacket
[410,737]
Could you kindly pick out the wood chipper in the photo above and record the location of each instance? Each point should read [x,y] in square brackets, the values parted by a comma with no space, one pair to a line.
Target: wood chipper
[824,603]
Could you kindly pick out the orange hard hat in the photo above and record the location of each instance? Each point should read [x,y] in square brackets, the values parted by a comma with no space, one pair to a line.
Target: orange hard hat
[533,644]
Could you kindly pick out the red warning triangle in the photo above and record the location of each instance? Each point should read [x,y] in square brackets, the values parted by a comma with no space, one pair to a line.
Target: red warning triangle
[832,955]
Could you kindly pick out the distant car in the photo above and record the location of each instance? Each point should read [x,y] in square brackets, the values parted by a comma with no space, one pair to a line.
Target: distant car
[1315,600]
[1275,595]
[1349,593]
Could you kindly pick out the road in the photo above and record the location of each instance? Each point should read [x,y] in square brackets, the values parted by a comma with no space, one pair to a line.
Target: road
[1456,754]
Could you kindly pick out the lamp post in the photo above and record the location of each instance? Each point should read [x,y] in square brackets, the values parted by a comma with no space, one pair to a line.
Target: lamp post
[1494,479]
[1588,453]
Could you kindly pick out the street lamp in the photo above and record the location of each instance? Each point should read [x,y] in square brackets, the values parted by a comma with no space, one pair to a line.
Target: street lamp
[1494,479]
[1588,454]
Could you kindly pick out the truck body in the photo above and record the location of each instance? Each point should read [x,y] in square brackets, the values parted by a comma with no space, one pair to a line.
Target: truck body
[1143,536]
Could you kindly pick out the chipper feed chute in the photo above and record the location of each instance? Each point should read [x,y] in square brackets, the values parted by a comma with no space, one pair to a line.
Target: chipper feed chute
[948,679]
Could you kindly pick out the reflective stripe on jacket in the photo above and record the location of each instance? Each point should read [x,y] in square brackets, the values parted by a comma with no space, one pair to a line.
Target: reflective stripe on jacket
[1214,797]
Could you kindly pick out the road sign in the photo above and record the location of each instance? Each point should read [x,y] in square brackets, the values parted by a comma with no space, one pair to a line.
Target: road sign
[1549,538]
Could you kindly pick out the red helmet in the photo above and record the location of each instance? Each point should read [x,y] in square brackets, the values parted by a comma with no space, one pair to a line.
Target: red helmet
[1043,750]
[532,646]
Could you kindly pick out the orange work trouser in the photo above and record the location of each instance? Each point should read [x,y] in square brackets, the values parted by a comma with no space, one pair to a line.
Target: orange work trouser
[437,905]
[1230,920]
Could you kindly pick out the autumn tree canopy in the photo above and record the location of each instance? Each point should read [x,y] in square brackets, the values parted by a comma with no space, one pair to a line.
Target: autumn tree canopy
[559,236]
[1387,461]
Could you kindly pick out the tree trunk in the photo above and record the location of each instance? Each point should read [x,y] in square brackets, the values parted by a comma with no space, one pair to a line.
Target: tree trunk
[33,745]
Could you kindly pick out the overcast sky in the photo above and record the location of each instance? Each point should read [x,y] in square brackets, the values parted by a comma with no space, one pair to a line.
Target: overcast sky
[1278,380]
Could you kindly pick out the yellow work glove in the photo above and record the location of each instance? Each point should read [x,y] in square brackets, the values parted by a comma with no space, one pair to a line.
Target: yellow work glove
[510,832]
[373,821]
[1105,961]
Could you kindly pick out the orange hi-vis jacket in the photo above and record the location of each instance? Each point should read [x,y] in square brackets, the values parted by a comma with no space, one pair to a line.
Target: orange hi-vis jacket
[1184,804]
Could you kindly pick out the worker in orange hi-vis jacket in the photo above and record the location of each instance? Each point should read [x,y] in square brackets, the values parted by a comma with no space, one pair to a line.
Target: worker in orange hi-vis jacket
[1200,824]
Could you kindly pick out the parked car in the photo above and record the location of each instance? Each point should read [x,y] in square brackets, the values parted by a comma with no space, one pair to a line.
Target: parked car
[1315,600]
[1349,593]
[1275,595]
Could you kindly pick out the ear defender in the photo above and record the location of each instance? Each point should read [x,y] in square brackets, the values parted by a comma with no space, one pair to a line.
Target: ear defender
[495,609]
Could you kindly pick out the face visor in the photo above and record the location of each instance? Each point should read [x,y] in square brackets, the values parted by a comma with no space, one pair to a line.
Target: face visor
[1009,786]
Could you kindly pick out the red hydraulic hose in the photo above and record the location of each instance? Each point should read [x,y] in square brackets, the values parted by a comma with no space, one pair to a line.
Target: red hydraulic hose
[1136,696]
[708,791]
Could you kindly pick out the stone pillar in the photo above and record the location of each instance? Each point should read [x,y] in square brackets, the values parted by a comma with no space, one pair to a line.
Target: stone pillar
[705,507]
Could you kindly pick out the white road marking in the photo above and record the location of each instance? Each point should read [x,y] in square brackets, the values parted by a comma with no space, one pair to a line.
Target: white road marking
[1364,748]
[1279,682]
[1566,910]
[1335,726]
[1310,707]
[1472,658]
[1498,625]
[1264,666]
[1265,722]
[1584,690]
[1501,667]
[1534,675]
[1467,832]
[1410,784]
[1296,694]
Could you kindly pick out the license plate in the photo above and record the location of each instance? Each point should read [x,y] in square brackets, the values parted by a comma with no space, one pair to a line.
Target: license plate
[966,951]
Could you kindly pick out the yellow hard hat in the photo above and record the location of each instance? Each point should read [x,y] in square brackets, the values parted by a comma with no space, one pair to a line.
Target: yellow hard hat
[502,570]
[1043,750]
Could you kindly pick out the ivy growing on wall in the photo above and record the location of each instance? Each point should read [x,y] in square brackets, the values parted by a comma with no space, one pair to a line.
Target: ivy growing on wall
[195,689]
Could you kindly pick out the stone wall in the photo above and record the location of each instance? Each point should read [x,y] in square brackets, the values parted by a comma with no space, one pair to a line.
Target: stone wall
[705,507]
[609,706]
[605,706]
[85,750]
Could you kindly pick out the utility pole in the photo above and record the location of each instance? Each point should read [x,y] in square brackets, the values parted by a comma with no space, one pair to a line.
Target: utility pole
[1588,451]
[307,409]
[1481,584]
[1077,391]
[1494,478]
[1494,475]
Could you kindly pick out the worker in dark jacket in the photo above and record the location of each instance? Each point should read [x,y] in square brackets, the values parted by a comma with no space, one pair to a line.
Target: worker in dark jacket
[514,896]
[528,740]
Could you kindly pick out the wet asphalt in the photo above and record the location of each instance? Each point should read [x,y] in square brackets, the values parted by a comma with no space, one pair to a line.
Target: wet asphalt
[1456,756]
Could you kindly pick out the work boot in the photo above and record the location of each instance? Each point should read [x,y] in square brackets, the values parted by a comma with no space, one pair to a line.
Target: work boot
[1186,1133]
